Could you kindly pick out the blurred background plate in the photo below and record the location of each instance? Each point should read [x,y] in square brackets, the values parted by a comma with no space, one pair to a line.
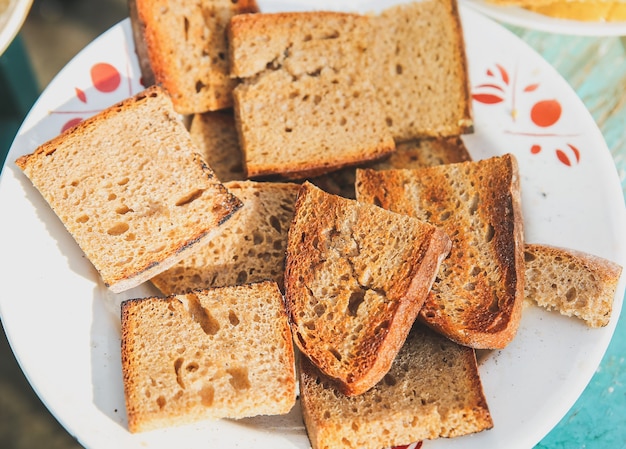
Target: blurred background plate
[514,15]
[12,15]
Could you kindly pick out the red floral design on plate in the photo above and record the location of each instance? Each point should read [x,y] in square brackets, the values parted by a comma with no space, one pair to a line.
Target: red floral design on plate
[106,79]
[417,445]
[501,87]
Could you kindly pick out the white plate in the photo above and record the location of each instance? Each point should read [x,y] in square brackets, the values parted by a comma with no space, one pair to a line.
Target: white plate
[515,15]
[63,324]
[11,20]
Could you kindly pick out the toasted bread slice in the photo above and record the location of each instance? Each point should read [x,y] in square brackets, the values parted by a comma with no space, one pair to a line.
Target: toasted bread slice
[356,277]
[215,135]
[427,152]
[478,295]
[571,282]
[189,357]
[432,390]
[306,105]
[248,248]
[420,70]
[419,153]
[186,47]
[130,187]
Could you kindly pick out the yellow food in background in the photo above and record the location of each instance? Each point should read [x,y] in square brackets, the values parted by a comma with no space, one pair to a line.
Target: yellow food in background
[590,11]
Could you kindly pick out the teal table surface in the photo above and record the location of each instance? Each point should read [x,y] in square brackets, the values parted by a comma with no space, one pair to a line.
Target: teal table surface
[595,67]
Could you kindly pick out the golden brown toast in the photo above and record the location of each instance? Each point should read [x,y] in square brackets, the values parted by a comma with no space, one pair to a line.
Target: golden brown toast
[477,297]
[356,277]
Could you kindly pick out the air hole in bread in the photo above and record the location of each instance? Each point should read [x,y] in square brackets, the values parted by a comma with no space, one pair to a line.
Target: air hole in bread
[186,27]
[161,402]
[319,310]
[190,197]
[335,353]
[239,378]
[200,315]
[178,363]
[257,238]
[242,276]
[207,394]
[233,318]
[399,69]
[123,181]
[82,219]
[112,196]
[571,294]
[199,86]
[123,210]
[118,229]
[473,205]
[356,299]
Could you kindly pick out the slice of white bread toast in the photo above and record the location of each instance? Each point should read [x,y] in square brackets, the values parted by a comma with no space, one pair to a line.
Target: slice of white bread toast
[478,295]
[215,135]
[305,105]
[186,47]
[420,70]
[131,189]
[218,353]
[571,282]
[418,153]
[356,277]
[432,390]
[250,247]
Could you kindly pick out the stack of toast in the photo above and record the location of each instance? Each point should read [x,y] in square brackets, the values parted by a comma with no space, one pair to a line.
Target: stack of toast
[312,225]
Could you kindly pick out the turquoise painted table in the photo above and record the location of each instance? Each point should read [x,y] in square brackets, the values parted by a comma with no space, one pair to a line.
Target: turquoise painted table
[596,69]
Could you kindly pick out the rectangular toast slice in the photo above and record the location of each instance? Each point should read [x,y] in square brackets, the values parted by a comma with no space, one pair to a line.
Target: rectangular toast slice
[215,135]
[478,295]
[188,357]
[182,47]
[131,189]
[250,247]
[418,153]
[305,105]
[356,277]
[432,390]
[572,282]
[420,70]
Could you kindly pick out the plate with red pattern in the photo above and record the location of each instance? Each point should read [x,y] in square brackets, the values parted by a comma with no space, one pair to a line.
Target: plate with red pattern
[64,326]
